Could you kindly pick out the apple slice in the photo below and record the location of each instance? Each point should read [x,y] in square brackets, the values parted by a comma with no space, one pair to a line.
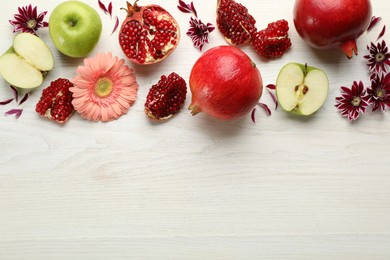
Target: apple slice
[26,63]
[301,89]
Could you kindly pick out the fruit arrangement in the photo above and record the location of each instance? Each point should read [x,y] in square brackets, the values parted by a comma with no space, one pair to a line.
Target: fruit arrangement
[224,82]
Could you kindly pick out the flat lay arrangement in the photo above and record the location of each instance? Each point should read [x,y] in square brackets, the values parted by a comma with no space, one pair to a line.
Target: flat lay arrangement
[221,130]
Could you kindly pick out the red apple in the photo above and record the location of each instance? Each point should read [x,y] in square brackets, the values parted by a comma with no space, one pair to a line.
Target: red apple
[327,24]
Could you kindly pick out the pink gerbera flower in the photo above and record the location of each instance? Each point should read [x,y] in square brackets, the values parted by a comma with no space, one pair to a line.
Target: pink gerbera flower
[28,20]
[353,101]
[104,89]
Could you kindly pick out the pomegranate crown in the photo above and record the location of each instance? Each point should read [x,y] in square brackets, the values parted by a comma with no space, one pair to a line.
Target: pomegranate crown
[132,8]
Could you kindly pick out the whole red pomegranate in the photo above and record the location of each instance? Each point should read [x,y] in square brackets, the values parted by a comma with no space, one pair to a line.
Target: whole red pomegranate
[149,34]
[329,23]
[225,83]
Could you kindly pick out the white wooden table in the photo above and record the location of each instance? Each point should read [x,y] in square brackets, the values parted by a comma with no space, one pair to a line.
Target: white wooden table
[195,187]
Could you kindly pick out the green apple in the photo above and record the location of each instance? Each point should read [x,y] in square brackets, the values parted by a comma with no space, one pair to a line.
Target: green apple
[27,62]
[75,28]
[301,89]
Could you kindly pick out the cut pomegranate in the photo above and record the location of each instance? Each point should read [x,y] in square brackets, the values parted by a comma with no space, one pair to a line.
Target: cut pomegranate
[56,101]
[273,41]
[234,22]
[166,97]
[149,34]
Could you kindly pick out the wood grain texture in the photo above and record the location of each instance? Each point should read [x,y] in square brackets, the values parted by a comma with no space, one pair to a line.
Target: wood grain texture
[194,187]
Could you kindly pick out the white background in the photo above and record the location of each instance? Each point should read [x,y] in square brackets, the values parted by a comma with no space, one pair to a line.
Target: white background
[194,187]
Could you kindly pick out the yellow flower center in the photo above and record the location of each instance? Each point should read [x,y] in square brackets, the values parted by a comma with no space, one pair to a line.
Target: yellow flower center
[356,101]
[380,93]
[379,57]
[103,87]
[31,24]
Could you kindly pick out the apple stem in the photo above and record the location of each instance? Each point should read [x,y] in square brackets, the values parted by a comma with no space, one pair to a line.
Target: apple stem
[349,48]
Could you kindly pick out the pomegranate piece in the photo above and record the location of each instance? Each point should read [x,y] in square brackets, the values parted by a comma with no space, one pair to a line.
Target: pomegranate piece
[166,97]
[273,41]
[149,34]
[56,101]
[234,22]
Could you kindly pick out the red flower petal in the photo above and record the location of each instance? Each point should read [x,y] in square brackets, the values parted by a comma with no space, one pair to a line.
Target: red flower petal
[16,93]
[16,112]
[253,115]
[110,9]
[5,102]
[265,107]
[382,32]
[102,6]
[270,87]
[116,25]
[187,8]
[24,99]
[374,21]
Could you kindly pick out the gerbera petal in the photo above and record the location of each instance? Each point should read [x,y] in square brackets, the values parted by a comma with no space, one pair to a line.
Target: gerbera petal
[104,113]
[116,108]
[81,82]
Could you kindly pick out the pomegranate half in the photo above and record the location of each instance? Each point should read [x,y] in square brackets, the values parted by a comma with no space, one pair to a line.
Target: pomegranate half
[325,24]
[149,34]
[225,83]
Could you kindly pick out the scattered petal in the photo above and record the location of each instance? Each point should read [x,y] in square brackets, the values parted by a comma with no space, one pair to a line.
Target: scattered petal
[374,21]
[5,102]
[193,9]
[270,88]
[115,26]
[16,112]
[25,97]
[265,107]
[102,6]
[16,92]
[187,8]
[109,9]
[253,115]
[382,32]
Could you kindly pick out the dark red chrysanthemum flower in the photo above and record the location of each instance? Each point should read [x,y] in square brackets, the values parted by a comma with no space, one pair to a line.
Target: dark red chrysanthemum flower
[199,32]
[28,20]
[379,93]
[379,57]
[352,101]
